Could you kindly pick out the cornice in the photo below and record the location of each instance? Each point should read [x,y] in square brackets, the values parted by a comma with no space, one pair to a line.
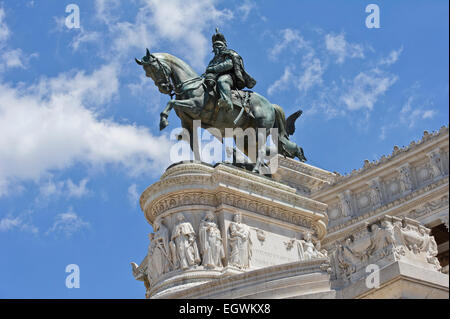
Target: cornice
[371,170]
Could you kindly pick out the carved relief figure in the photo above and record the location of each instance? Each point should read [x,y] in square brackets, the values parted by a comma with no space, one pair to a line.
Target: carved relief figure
[345,261]
[435,161]
[380,238]
[240,243]
[405,179]
[306,248]
[321,253]
[159,251]
[345,204]
[375,193]
[183,245]
[141,272]
[210,241]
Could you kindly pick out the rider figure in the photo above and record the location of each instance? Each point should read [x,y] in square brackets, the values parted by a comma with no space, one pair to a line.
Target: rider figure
[227,70]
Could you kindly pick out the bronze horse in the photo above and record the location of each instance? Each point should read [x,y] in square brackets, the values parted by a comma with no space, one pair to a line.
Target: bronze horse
[192,102]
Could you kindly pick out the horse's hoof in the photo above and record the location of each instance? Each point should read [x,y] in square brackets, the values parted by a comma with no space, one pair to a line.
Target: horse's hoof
[163,123]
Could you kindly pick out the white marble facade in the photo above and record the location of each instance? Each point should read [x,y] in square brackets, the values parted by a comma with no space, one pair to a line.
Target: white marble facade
[223,227]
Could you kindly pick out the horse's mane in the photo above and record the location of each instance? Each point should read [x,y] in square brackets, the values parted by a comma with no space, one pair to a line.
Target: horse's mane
[169,58]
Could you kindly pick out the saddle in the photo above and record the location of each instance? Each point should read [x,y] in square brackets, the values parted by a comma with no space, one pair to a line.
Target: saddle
[240,100]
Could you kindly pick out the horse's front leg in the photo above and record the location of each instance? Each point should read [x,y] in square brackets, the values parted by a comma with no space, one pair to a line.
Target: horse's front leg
[163,122]
[261,152]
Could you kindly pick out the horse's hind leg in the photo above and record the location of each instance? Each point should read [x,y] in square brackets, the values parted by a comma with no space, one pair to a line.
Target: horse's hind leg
[261,149]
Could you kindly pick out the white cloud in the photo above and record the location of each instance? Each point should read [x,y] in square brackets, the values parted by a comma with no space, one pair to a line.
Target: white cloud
[311,71]
[67,224]
[21,222]
[104,9]
[291,39]
[75,190]
[181,22]
[133,195]
[8,223]
[53,125]
[65,188]
[311,75]
[84,37]
[428,114]
[366,88]
[4,30]
[337,45]
[282,82]
[392,57]
[245,8]
[15,59]
[11,59]
[410,114]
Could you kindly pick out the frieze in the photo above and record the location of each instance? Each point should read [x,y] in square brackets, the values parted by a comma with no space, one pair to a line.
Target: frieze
[175,200]
[368,166]
[232,177]
[386,240]
[334,232]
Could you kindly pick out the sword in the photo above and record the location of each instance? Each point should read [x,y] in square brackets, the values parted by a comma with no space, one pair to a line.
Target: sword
[242,108]
[239,116]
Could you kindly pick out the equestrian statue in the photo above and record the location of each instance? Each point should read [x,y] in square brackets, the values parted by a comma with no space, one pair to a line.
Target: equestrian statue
[217,98]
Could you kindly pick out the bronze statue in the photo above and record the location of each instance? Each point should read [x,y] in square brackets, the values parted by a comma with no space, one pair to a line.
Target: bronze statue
[192,102]
[226,70]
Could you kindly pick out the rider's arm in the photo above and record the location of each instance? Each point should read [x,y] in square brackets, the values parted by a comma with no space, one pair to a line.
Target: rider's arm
[221,67]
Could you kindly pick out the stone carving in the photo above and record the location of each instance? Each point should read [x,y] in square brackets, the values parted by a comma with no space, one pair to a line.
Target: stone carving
[435,162]
[159,252]
[307,250]
[290,243]
[346,203]
[405,178]
[210,241]
[429,207]
[345,261]
[396,152]
[141,272]
[261,235]
[375,193]
[240,243]
[200,198]
[158,259]
[389,239]
[183,245]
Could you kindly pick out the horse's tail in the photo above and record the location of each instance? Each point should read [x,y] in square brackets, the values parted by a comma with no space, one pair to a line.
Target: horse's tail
[280,120]
[286,128]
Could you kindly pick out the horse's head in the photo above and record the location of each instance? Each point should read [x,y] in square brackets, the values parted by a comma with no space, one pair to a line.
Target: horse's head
[156,70]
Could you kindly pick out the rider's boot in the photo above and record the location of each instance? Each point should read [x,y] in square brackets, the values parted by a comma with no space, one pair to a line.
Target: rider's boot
[225,103]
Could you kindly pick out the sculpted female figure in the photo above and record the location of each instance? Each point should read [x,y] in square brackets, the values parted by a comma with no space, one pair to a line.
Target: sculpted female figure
[240,243]
[184,246]
[306,248]
[159,250]
[211,245]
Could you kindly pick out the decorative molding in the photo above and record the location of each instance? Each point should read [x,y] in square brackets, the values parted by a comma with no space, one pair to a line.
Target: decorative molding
[397,152]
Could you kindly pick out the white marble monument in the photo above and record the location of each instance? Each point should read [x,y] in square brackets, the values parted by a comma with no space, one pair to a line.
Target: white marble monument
[223,232]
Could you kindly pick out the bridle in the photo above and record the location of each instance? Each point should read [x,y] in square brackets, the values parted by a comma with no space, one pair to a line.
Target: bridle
[163,76]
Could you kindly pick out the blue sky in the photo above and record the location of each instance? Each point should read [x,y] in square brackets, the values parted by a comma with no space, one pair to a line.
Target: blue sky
[79,135]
